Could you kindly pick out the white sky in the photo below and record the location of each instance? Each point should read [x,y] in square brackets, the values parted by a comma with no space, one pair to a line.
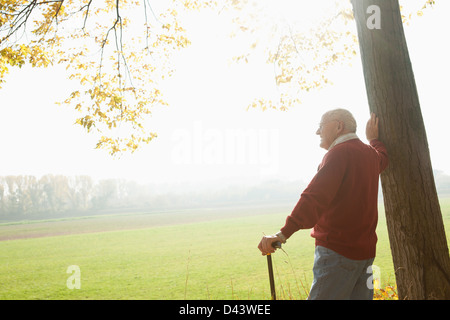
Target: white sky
[208,98]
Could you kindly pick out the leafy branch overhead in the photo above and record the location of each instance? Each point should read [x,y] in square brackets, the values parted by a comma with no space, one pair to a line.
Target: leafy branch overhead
[303,51]
[118,51]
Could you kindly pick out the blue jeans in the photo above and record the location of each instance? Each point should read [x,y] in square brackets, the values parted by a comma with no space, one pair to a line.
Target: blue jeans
[339,278]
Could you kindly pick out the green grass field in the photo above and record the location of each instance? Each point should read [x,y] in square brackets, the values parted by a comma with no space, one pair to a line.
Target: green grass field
[196,254]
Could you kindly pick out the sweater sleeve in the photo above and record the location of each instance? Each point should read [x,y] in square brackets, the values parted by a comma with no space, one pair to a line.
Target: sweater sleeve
[380,148]
[318,195]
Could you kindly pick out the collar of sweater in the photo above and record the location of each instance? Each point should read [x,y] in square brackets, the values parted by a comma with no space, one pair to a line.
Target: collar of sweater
[343,138]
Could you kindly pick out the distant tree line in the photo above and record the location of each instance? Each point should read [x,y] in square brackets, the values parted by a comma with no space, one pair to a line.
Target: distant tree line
[28,197]
[442,183]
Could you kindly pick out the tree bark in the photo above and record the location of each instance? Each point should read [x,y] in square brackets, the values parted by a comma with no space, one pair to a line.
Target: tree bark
[414,220]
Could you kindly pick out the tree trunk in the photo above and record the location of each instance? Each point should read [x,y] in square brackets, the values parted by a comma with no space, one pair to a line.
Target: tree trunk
[414,220]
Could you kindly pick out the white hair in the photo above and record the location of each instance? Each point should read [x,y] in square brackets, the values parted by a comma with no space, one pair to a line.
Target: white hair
[342,115]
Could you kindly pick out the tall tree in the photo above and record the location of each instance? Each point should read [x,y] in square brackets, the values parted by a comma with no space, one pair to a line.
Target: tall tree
[416,230]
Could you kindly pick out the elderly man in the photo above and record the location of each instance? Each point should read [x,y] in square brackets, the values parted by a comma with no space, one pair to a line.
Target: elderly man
[340,205]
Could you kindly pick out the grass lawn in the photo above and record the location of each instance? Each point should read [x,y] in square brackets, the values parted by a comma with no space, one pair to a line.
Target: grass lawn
[203,254]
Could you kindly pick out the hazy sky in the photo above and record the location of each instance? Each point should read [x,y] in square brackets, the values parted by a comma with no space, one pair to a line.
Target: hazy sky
[206,132]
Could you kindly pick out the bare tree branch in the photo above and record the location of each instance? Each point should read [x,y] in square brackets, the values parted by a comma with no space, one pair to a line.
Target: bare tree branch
[87,6]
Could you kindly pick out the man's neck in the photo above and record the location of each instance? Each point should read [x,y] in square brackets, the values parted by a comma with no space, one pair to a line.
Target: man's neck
[343,138]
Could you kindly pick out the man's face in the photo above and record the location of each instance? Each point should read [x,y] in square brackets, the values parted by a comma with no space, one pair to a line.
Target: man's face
[328,131]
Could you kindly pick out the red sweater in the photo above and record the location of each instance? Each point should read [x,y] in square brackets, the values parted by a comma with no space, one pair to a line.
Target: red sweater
[340,203]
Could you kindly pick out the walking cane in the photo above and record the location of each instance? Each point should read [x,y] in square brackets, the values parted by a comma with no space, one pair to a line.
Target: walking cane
[273,293]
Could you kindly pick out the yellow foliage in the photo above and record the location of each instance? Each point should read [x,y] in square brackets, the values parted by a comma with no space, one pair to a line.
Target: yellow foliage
[388,293]
[301,56]
[118,71]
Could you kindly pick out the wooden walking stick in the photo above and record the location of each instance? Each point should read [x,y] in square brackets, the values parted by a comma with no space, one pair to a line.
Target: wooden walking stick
[273,292]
